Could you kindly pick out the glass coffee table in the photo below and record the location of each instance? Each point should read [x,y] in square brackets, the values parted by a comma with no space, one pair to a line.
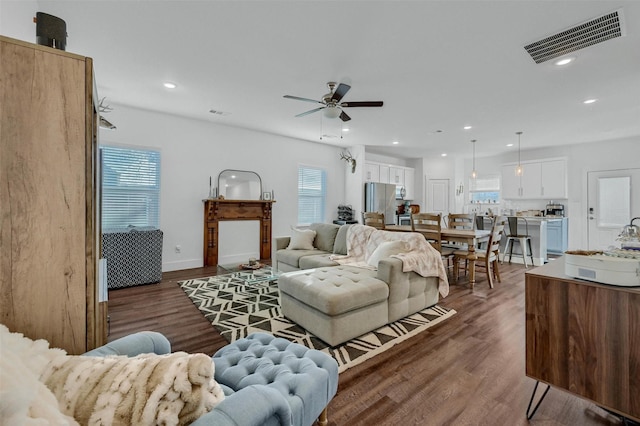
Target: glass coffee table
[263,275]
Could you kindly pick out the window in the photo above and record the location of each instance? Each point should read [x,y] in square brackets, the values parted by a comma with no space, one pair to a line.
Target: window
[312,191]
[484,189]
[130,187]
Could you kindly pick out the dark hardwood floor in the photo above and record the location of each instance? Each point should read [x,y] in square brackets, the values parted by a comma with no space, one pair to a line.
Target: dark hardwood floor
[469,370]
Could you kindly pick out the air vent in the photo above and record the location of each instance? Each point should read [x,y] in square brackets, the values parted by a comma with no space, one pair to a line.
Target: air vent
[584,35]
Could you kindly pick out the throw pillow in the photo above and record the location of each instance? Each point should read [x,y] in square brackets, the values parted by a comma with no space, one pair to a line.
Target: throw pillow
[167,389]
[385,250]
[325,235]
[301,239]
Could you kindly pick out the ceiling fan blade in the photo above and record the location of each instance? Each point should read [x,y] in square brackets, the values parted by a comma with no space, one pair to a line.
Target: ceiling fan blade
[361,104]
[344,116]
[310,112]
[340,92]
[301,99]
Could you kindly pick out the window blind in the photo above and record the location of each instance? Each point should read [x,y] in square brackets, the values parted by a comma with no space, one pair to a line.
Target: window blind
[312,183]
[130,187]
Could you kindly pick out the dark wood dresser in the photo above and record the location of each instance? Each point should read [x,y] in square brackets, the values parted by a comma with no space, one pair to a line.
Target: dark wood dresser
[584,338]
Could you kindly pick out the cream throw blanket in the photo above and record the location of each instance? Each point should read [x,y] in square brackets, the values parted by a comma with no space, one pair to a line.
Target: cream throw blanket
[116,390]
[420,258]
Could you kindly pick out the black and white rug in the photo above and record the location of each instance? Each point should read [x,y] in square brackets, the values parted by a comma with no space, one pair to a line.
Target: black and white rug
[237,310]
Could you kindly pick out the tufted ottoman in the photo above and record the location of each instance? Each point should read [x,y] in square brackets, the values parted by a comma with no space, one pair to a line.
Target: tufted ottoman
[307,378]
[335,303]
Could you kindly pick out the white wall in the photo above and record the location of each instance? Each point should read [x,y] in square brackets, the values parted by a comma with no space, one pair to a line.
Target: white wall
[193,150]
[16,19]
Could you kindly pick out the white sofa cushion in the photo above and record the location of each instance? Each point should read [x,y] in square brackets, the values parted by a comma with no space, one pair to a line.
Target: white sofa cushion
[301,239]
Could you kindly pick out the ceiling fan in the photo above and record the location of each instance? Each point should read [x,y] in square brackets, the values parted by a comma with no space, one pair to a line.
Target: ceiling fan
[331,102]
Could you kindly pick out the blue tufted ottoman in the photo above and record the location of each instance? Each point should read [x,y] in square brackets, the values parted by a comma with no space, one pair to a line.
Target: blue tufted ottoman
[307,378]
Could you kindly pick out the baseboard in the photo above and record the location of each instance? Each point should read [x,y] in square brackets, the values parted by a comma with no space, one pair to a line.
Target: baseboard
[182,264]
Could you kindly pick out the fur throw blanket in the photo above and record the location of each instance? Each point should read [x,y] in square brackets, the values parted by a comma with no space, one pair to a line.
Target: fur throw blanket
[420,257]
[144,390]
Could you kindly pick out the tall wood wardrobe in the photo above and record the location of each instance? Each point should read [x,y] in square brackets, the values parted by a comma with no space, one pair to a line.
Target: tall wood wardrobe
[49,198]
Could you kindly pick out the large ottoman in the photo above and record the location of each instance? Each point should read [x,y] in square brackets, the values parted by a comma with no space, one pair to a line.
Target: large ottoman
[335,303]
[307,378]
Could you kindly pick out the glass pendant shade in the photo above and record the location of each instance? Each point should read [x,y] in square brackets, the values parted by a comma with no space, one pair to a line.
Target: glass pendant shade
[474,174]
[519,166]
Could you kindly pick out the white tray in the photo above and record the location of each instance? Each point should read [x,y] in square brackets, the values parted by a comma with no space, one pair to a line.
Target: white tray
[604,269]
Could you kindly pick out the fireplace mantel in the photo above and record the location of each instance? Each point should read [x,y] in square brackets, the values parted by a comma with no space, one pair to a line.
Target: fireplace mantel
[216,210]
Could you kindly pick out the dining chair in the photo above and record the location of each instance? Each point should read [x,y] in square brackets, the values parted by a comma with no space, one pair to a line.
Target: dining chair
[488,258]
[430,225]
[461,220]
[515,237]
[375,219]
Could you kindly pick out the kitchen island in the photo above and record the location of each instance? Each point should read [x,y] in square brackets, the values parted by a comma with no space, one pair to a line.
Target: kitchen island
[537,228]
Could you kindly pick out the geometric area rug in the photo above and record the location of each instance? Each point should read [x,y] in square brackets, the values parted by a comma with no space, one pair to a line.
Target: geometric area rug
[236,310]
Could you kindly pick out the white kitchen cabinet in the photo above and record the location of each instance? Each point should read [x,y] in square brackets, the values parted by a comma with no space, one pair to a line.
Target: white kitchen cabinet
[530,181]
[554,179]
[384,174]
[545,179]
[409,184]
[396,176]
[371,172]
[510,182]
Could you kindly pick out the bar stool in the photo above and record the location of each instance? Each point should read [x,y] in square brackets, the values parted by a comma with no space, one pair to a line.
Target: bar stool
[514,237]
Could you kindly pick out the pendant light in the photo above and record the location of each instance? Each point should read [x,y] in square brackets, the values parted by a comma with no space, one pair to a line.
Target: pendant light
[474,174]
[519,166]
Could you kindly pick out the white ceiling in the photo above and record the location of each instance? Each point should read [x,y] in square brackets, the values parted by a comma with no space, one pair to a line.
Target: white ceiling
[437,65]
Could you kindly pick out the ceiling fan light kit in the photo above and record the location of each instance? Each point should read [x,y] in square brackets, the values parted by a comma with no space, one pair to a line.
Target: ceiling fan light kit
[331,104]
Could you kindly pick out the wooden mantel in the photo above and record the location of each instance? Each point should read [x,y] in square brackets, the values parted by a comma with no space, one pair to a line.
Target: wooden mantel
[216,210]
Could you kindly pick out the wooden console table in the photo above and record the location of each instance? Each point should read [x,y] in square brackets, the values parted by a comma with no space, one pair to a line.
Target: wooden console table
[584,338]
[219,210]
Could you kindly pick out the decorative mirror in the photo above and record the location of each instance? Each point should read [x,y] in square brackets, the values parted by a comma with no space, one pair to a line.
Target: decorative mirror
[239,185]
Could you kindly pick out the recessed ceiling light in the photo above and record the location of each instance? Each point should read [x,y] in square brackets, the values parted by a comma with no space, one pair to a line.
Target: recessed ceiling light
[466,127]
[444,154]
[564,61]
[509,144]
[345,129]
[589,101]
[169,85]
[395,142]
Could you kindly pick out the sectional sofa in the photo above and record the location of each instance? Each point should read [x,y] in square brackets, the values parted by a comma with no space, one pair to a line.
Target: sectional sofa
[340,301]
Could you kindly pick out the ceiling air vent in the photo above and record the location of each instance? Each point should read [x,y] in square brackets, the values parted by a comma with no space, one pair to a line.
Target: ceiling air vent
[584,35]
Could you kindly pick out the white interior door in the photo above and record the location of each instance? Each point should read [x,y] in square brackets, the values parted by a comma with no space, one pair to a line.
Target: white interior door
[613,200]
[437,196]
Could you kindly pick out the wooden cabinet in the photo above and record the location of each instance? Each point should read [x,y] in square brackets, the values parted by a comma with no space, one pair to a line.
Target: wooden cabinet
[48,201]
[540,180]
[584,338]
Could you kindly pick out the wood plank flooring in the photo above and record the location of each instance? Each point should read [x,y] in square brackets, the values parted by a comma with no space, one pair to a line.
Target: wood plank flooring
[468,370]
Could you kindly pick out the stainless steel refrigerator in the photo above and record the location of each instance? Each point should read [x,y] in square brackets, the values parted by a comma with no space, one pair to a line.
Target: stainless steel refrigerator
[381,197]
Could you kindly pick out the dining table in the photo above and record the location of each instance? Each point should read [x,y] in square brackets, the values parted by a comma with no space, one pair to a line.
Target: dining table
[471,237]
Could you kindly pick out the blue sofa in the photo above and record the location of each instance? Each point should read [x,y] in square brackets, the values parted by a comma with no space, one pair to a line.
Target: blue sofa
[266,380]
